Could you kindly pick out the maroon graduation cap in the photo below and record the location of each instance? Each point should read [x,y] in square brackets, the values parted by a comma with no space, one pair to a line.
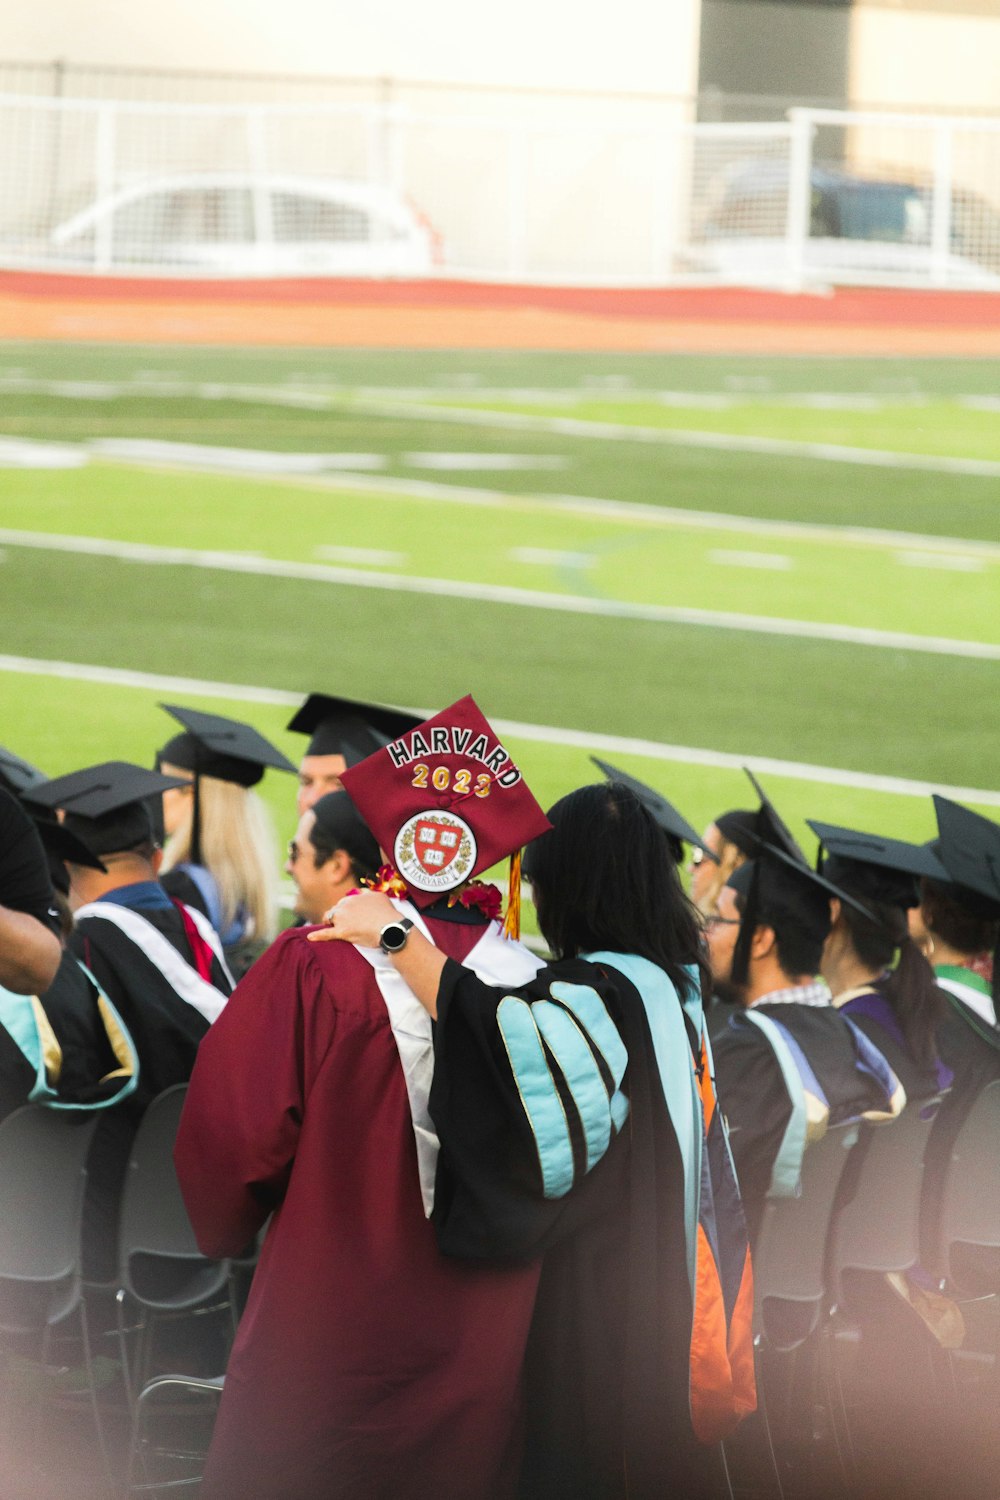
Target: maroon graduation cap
[446,801]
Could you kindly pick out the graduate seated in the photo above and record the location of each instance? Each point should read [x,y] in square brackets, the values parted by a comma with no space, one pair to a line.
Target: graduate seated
[876,972]
[342,732]
[157,962]
[221,853]
[788,1065]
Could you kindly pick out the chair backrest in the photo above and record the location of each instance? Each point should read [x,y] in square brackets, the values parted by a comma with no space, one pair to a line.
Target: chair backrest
[970,1203]
[878,1228]
[159,1260]
[790,1277]
[43,1173]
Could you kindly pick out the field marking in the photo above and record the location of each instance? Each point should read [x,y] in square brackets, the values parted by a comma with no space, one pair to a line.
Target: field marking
[373,399]
[549,557]
[727,442]
[28,453]
[592,507]
[545,734]
[366,556]
[231,460]
[947,561]
[773,561]
[446,462]
[664,614]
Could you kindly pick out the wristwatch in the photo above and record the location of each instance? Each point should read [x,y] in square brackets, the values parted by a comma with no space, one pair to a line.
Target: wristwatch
[392,938]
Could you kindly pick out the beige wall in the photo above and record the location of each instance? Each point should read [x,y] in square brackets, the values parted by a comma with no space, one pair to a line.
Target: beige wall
[652,45]
[914,54]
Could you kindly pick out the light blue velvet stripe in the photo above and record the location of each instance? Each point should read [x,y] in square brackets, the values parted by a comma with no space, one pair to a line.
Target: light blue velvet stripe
[539,1095]
[592,1014]
[786,1178]
[571,1051]
[675,1065]
[17,1017]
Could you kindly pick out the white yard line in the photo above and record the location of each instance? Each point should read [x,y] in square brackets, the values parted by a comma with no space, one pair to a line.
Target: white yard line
[664,614]
[725,441]
[591,507]
[544,734]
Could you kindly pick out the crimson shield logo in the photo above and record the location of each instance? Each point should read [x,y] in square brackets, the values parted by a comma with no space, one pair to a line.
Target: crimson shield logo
[435,850]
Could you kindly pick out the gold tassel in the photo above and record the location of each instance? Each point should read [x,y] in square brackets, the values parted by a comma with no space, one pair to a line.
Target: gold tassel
[512,921]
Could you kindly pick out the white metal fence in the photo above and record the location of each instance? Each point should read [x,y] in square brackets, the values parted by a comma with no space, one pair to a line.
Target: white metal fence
[382,189]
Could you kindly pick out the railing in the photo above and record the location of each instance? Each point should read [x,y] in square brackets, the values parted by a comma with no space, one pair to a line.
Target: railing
[645,197]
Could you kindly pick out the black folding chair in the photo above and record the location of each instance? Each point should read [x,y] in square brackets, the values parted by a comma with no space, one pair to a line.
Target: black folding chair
[163,1275]
[43,1155]
[792,1297]
[875,1233]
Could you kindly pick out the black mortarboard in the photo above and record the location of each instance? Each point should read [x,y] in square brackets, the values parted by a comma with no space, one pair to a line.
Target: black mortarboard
[62,846]
[873,866]
[341,826]
[739,827]
[778,880]
[771,827]
[18,775]
[212,745]
[674,825]
[343,726]
[969,848]
[105,805]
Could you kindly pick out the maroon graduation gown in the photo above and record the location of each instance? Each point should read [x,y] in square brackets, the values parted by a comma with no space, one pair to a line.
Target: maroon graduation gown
[366,1366]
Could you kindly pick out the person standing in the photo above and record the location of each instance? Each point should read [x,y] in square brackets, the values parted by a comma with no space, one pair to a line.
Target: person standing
[366,1364]
[577,1121]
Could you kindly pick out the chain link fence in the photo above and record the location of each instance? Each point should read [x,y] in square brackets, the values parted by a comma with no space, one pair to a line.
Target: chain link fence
[545,192]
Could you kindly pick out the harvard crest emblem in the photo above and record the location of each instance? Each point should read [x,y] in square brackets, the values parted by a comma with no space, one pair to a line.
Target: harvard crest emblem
[435,850]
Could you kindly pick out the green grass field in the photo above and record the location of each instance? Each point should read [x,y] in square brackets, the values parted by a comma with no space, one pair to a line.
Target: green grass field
[397,584]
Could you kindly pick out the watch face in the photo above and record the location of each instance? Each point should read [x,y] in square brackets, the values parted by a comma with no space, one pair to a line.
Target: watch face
[393,937]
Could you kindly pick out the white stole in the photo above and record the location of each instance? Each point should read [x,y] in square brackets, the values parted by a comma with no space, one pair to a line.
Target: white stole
[182,978]
[496,960]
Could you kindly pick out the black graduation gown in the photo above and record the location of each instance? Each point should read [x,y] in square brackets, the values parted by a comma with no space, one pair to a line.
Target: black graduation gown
[754,1097]
[165,1030]
[607,1369]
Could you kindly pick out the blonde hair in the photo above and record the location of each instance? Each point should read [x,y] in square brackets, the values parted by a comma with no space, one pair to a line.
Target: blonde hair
[238,848]
[731,856]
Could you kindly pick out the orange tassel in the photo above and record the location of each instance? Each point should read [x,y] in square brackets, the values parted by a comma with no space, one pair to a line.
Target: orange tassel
[512,921]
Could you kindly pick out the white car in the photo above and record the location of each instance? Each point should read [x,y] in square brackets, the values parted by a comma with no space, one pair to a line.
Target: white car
[237,224]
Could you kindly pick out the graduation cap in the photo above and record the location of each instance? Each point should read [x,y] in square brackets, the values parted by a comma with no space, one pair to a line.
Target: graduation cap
[879,868]
[212,745]
[62,846]
[770,827]
[676,827]
[783,885]
[969,848]
[340,826]
[18,775]
[105,805]
[447,801]
[344,726]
